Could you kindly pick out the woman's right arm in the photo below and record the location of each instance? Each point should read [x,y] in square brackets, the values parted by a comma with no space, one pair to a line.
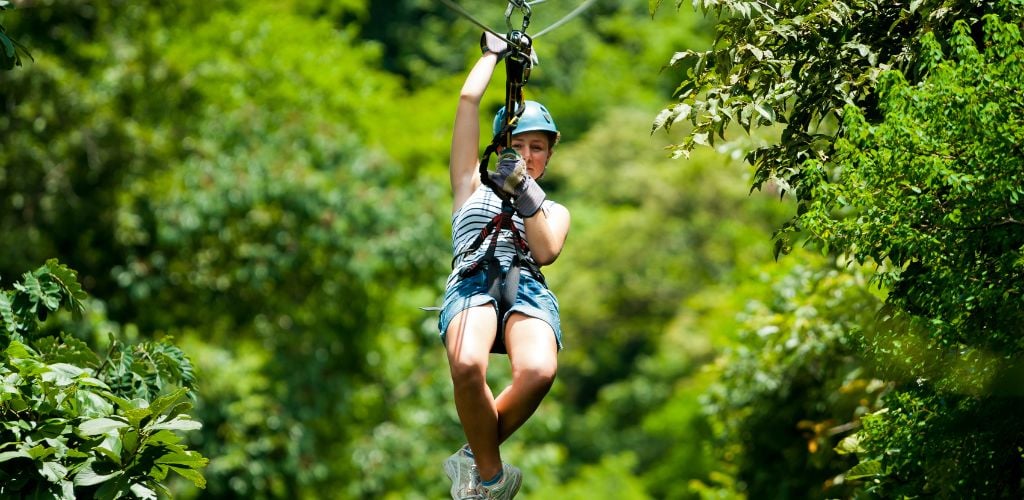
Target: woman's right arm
[463,166]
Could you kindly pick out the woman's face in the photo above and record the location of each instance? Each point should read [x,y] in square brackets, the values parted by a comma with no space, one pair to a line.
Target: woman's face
[535,148]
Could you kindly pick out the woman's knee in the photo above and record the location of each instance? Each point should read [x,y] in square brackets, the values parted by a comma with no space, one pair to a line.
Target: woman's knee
[533,351]
[535,373]
[468,370]
[468,342]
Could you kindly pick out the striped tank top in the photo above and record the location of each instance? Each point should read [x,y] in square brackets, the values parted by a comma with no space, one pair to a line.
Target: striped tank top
[470,219]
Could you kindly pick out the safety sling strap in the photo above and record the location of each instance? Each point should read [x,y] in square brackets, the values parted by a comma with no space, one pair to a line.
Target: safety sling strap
[502,285]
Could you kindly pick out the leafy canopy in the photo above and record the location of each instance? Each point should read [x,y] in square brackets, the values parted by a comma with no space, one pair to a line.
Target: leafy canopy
[73,426]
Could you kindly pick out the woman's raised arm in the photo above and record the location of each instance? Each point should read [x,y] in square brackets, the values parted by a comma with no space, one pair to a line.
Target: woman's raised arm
[464,162]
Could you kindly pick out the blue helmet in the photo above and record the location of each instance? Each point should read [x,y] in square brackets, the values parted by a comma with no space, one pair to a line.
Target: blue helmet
[535,117]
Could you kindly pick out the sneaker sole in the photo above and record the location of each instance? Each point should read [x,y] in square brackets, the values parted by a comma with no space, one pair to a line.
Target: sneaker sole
[451,469]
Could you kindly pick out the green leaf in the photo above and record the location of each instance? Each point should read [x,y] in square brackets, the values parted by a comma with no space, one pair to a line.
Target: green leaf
[100,425]
[17,350]
[661,120]
[54,472]
[179,409]
[92,382]
[192,475]
[130,441]
[67,490]
[39,451]
[112,489]
[8,58]
[158,406]
[653,5]
[53,427]
[68,281]
[163,437]
[188,458]
[10,455]
[111,449]
[39,291]
[66,349]
[7,319]
[179,423]
[123,403]
[93,403]
[866,469]
[135,416]
[62,374]
[142,492]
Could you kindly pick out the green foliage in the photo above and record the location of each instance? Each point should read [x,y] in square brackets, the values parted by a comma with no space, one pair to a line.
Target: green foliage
[71,425]
[644,318]
[38,294]
[10,50]
[248,177]
[608,480]
[900,136]
[219,187]
[144,370]
[793,385]
[797,64]
[633,189]
[930,194]
[963,446]
[265,181]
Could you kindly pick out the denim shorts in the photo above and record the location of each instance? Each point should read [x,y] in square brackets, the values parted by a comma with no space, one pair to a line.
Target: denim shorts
[532,299]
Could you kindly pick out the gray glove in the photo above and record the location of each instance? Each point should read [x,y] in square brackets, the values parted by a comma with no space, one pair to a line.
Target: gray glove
[513,179]
[491,43]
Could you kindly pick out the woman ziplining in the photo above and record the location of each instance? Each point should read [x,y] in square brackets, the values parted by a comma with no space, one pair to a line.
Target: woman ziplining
[470,325]
[496,300]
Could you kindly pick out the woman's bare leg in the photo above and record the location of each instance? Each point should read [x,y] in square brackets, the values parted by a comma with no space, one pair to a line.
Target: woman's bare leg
[533,353]
[469,338]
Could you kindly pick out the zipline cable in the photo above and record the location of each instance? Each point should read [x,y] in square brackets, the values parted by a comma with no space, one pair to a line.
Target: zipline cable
[568,17]
[462,12]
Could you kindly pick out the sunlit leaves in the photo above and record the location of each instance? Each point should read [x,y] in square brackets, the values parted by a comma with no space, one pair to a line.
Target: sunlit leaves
[39,293]
[72,446]
[101,425]
[933,185]
[798,64]
[67,427]
[926,192]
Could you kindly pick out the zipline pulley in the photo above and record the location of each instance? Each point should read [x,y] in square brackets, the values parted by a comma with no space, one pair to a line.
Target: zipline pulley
[513,6]
[518,63]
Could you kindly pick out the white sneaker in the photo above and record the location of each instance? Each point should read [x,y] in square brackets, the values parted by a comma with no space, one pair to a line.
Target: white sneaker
[459,467]
[511,480]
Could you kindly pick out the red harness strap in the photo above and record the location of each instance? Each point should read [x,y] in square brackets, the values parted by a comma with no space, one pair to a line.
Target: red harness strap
[503,286]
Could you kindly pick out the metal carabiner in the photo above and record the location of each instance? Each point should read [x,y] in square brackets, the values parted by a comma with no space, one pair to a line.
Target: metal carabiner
[521,52]
[521,5]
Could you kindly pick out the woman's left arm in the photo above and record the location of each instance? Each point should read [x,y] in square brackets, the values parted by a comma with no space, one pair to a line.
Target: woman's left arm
[546,232]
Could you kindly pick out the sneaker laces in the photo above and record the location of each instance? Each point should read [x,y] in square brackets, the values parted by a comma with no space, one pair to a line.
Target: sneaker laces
[472,492]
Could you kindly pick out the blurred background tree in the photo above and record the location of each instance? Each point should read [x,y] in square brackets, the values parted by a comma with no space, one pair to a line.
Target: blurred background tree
[265,182]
